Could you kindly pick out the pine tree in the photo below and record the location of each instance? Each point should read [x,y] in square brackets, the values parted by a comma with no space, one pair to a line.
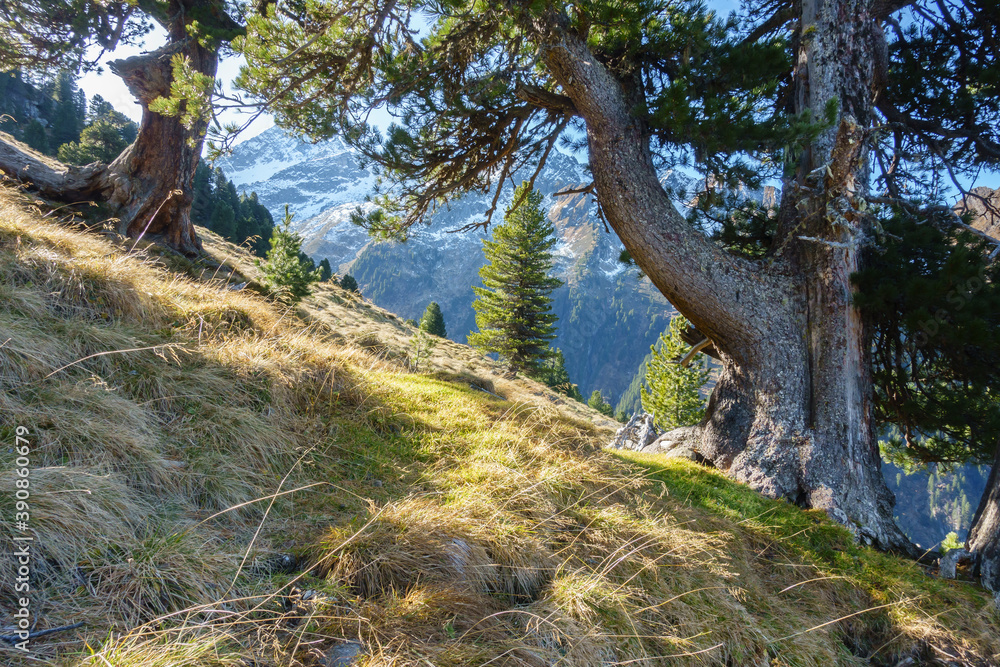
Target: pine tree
[284,270]
[202,202]
[68,120]
[674,393]
[100,141]
[597,402]
[349,283]
[512,309]
[433,321]
[325,270]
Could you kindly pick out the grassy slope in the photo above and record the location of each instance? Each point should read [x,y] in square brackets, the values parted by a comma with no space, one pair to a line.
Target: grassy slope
[434,522]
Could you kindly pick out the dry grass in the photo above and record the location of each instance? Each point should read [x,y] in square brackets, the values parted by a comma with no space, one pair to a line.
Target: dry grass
[219,479]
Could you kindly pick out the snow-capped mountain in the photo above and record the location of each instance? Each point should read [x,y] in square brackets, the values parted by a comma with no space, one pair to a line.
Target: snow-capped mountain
[608,317]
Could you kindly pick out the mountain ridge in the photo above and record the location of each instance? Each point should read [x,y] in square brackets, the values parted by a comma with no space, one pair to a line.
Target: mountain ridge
[608,314]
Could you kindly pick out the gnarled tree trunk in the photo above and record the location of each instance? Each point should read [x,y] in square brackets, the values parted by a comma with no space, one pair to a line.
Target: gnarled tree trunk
[792,413]
[150,184]
[984,536]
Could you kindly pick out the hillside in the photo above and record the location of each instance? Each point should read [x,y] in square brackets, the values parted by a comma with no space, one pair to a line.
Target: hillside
[608,317]
[218,479]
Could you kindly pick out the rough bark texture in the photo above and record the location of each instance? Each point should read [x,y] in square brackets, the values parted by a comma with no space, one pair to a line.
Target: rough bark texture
[984,536]
[150,184]
[791,413]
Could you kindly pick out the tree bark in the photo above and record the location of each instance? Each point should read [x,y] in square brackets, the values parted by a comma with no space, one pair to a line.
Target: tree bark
[984,535]
[791,414]
[149,185]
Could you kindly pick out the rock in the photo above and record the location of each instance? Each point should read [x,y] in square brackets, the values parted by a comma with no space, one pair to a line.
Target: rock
[344,654]
[636,434]
[679,443]
[948,564]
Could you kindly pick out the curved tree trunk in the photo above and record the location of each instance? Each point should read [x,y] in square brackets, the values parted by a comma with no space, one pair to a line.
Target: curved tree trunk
[150,184]
[791,413]
[984,535]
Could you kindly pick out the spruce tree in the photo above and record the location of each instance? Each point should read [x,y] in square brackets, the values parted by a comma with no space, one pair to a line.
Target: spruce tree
[284,269]
[433,321]
[68,119]
[202,199]
[513,305]
[673,395]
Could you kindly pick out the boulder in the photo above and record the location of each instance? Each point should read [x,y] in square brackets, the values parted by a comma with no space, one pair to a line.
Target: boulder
[636,434]
[679,443]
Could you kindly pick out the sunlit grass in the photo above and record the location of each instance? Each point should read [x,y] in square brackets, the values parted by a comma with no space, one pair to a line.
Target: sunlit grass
[218,479]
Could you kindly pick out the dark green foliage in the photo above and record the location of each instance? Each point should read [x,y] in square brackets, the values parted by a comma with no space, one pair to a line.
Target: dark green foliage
[99,142]
[513,305]
[106,135]
[552,371]
[202,204]
[933,303]
[597,402]
[284,270]
[36,137]
[308,261]
[69,117]
[943,80]
[223,221]
[433,321]
[55,34]
[349,283]
[325,271]
[240,219]
[744,228]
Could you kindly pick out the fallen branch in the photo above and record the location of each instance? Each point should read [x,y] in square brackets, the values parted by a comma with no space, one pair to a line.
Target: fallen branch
[13,639]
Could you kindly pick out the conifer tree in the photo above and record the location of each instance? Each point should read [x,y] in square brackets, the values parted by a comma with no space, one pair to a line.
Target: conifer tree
[223,221]
[597,402]
[433,321]
[349,283]
[34,136]
[325,270]
[673,395]
[552,372]
[513,305]
[99,142]
[284,270]
[68,120]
